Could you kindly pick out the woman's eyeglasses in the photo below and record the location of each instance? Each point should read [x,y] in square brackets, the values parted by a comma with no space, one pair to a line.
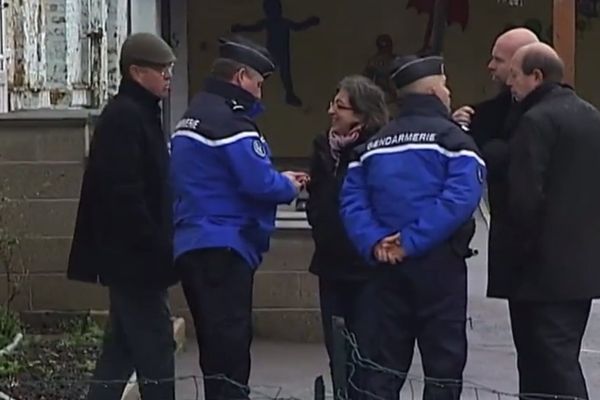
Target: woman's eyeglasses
[339,106]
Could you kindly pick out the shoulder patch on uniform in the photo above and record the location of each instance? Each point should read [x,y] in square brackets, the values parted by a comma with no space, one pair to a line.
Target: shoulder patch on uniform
[235,106]
[259,148]
[456,139]
[480,175]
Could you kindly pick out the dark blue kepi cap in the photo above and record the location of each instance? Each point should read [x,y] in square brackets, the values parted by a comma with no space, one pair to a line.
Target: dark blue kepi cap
[408,69]
[248,53]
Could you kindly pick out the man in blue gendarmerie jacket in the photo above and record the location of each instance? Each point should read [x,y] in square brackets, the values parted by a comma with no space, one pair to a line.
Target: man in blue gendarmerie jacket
[407,204]
[226,192]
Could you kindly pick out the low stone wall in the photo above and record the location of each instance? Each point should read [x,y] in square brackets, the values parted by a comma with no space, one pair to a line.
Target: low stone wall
[42,156]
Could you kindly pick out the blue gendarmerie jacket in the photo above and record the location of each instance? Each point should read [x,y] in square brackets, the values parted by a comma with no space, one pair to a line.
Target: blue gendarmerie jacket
[226,190]
[421,175]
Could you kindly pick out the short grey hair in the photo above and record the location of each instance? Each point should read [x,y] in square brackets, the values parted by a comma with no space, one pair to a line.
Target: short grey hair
[367,100]
[225,69]
[551,67]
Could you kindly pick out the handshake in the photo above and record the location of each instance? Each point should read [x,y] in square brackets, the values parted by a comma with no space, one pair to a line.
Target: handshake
[298,179]
[389,250]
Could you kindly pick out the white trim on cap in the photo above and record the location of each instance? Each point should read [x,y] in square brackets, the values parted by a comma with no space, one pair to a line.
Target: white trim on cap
[252,50]
[413,62]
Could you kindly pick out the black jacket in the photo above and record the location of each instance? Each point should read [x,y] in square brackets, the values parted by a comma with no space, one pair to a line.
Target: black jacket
[334,256]
[492,127]
[123,233]
[554,198]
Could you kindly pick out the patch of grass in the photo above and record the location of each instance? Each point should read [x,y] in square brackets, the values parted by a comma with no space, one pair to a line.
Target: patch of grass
[10,326]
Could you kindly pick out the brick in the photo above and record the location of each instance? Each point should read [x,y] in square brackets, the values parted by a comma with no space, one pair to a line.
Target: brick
[45,255]
[41,180]
[277,290]
[299,325]
[24,142]
[17,145]
[290,251]
[309,291]
[176,298]
[285,289]
[41,217]
[61,144]
[22,301]
[55,292]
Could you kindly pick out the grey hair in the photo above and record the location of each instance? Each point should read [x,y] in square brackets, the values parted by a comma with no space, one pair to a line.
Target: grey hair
[367,100]
[225,69]
[551,66]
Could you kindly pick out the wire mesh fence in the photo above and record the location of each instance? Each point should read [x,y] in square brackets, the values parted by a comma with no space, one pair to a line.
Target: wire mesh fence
[346,363]
[412,390]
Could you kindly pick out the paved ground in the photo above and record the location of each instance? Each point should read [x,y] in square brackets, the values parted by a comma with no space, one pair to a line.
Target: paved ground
[292,368]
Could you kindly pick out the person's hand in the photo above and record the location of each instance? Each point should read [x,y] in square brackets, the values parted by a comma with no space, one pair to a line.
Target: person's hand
[389,250]
[463,115]
[298,179]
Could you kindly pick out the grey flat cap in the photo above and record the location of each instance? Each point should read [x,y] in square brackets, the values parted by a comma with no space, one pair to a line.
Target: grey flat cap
[145,48]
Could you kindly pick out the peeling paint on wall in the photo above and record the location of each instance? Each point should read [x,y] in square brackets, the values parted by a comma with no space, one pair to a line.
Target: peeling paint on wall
[56,53]
[63,53]
[27,63]
[116,32]
[78,51]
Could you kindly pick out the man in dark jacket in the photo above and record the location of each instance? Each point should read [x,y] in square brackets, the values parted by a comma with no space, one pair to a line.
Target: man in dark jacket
[491,124]
[554,199]
[357,111]
[123,234]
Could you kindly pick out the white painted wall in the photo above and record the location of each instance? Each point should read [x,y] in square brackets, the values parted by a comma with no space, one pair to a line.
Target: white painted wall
[64,53]
[179,91]
[3,64]
[145,15]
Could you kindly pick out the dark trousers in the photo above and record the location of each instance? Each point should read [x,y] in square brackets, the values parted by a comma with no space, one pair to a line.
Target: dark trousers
[350,300]
[423,300]
[548,339]
[217,284]
[138,337]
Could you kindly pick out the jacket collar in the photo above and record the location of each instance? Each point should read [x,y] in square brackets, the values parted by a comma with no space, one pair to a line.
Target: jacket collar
[322,146]
[538,94]
[230,92]
[131,88]
[422,104]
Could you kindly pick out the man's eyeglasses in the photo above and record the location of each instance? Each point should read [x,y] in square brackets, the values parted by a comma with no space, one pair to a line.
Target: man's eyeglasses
[166,71]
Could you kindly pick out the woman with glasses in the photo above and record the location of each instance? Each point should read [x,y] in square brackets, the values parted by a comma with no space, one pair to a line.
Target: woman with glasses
[357,111]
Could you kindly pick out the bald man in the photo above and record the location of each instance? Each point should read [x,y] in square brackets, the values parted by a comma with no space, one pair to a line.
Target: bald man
[491,123]
[554,199]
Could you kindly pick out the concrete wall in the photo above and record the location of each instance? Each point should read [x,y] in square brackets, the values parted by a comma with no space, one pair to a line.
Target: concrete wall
[41,166]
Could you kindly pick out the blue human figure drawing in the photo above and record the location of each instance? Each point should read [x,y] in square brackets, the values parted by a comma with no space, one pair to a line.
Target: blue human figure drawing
[278,30]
